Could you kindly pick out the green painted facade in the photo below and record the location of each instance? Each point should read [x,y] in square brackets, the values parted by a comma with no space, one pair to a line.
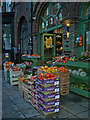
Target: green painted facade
[84,18]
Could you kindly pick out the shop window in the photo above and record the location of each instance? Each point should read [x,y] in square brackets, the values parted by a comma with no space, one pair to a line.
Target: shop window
[52,16]
[88,10]
[8,6]
[6,28]
[87,36]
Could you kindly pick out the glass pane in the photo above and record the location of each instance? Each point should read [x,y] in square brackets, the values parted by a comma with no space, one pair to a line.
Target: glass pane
[7,42]
[87,26]
[6,30]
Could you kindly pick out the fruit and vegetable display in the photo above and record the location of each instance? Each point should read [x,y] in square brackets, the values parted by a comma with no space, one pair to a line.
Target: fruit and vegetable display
[30,56]
[48,69]
[81,86]
[32,91]
[28,63]
[79,40]
[52,69]
[62,59]
[79,72]
[85,57]
[48,86]
[8,65]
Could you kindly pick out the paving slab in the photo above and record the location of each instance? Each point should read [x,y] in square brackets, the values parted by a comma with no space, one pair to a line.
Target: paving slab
[73,116]
[30,113]
[10,109]
[15,97]
[83,114]
[66,103]
[84,104]
[19,115]
[19,101]
[75,109]
[9,115]
[64,114]
[24,106]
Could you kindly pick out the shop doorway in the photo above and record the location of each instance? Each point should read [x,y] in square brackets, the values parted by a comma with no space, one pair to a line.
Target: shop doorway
[58,41]
[48,46]
[52,46]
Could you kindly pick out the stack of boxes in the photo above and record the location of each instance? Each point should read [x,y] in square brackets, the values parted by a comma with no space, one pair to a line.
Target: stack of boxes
[23,86]
[14,76]
[48,95]
[64,82]
[32,91]
[25,90]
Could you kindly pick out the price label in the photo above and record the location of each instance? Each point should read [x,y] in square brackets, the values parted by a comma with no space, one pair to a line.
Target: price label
[56,110]
[57,90]
[58,96]
[56,83]
[57,103]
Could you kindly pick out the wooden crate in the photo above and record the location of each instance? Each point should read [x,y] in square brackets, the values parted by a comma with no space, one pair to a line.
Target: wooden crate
[23,90]
[14,77]
[25,96]
[22,77]
[20,88]
[64,80]
[64,74]
[64,85]
[64,91]
[64,88]
[13,80]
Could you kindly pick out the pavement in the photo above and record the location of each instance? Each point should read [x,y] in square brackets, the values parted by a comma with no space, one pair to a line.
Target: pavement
[14,106]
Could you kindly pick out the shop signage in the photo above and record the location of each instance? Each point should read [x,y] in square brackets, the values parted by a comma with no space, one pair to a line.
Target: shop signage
[48,42]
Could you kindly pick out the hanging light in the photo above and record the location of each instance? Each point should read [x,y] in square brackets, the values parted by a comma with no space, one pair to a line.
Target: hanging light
[68,34]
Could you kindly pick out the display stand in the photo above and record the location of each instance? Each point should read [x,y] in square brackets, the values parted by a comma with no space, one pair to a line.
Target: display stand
[78,79]
[34,60]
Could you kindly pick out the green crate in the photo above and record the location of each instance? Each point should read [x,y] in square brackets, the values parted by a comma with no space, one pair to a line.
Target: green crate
[60,64]
[79,79]
[80,92]
[78,64]
[35,61]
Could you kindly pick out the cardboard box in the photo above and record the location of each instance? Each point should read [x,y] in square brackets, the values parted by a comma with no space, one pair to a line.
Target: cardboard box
[48,96]
[48,81]
[64,74]
[54,88]
[50,110]
[49,103]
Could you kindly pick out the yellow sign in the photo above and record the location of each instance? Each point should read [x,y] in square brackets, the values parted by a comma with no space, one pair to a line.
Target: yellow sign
[48,42]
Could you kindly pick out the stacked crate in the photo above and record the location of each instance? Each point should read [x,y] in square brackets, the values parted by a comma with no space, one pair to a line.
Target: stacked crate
[48,95]
[64,82]
[23,86]
[20,88]
[14,77]
[32,91]
[25,90]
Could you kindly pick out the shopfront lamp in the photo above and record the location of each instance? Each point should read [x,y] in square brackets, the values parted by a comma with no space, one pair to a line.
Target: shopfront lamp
[68,34]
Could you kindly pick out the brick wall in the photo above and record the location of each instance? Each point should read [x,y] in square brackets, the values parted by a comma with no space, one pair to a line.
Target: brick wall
[20,11]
